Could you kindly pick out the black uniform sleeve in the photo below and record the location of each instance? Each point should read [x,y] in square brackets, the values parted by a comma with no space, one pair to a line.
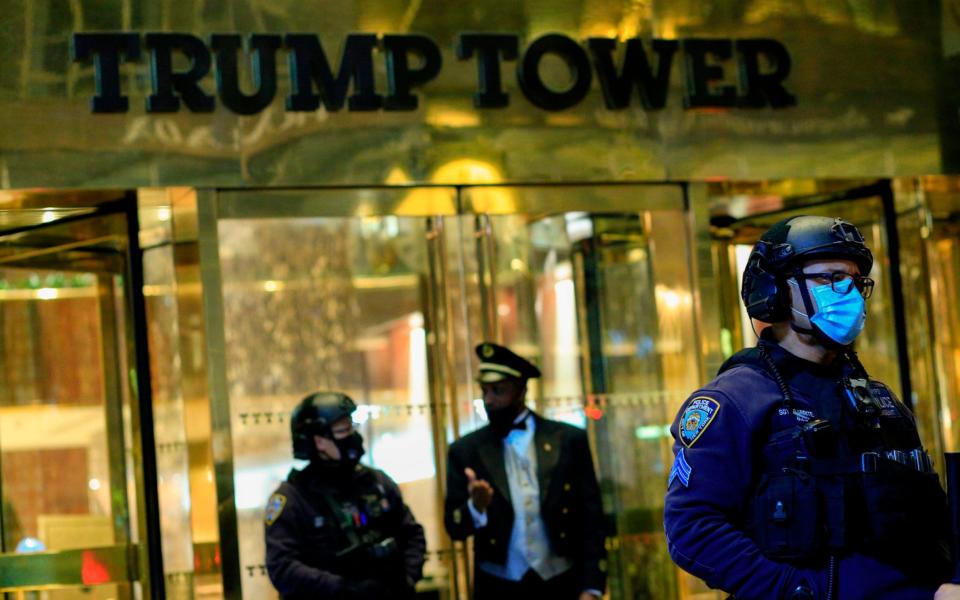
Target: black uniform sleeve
[594,537]
[409,535]
[285,550]
[456,513]
[703,504]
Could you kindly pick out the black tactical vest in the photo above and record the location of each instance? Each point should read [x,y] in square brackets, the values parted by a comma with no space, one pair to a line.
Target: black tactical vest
[852,479]
[363,521]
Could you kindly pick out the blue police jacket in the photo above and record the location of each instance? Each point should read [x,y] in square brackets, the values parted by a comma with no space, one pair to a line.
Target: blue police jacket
[719,435]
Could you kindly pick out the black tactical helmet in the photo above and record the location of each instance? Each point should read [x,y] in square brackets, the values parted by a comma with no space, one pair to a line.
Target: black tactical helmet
[314,416]
[785,247]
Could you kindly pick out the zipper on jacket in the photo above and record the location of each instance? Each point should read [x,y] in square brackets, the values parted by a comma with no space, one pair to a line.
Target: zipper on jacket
[831,576]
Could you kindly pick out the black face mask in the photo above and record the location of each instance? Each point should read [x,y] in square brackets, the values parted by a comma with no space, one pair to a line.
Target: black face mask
[351,449]
[501,419]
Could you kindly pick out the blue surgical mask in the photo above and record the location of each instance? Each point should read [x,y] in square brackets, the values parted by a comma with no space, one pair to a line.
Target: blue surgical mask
[840,314]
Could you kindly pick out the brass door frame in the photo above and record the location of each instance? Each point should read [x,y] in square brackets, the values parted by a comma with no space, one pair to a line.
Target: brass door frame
[442,388]
[125,562]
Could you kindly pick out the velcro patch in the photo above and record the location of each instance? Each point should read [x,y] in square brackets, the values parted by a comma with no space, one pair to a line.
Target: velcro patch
[274,508]
[681,470]
[697,416]
[883,398]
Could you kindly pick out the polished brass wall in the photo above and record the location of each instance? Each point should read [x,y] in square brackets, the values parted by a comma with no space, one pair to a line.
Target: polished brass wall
[865,74]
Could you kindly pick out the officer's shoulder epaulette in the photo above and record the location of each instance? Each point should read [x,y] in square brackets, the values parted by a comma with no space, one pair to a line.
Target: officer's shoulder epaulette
[737,383]
[741,376]
[295,477]
[747,356]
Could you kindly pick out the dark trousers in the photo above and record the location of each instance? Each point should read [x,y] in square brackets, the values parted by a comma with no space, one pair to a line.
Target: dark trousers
[565,586]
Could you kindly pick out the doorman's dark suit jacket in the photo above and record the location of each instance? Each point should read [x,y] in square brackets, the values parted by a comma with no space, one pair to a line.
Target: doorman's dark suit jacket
[570,502]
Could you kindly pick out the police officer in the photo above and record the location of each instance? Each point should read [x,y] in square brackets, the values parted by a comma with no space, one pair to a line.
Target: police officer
[338,529]
[795,474]
[525,488]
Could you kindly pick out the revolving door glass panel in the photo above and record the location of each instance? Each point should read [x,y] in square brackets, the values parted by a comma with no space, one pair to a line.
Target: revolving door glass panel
[329,290]
[942,250]
[68,450]
[594,284]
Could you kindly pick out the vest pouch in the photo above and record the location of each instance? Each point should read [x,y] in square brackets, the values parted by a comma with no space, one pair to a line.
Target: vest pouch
[906,518]
[787,516]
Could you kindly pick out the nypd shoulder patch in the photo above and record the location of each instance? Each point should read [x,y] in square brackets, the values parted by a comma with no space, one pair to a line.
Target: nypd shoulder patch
[681,470]
[274,508]
[697,416]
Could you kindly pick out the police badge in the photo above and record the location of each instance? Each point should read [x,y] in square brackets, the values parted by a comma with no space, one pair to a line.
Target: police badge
[697,416]
[274,508]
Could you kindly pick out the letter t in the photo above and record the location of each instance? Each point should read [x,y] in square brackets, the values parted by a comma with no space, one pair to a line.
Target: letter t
[107,49]
[489,47]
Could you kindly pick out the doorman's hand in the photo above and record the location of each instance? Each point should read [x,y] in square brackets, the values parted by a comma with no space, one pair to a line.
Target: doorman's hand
[480,491]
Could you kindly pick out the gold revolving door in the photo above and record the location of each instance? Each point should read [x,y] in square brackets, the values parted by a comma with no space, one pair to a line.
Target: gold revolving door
[595,284]
[383,293]
[327,289]
[76,448]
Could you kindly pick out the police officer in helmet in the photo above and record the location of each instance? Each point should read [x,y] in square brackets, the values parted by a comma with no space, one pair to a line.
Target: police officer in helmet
[796,475]
[338,529]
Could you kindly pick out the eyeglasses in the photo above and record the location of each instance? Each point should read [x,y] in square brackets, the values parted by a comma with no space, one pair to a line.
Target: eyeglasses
[838,281]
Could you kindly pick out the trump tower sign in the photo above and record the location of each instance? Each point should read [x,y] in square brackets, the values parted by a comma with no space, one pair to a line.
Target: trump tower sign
[719,73]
